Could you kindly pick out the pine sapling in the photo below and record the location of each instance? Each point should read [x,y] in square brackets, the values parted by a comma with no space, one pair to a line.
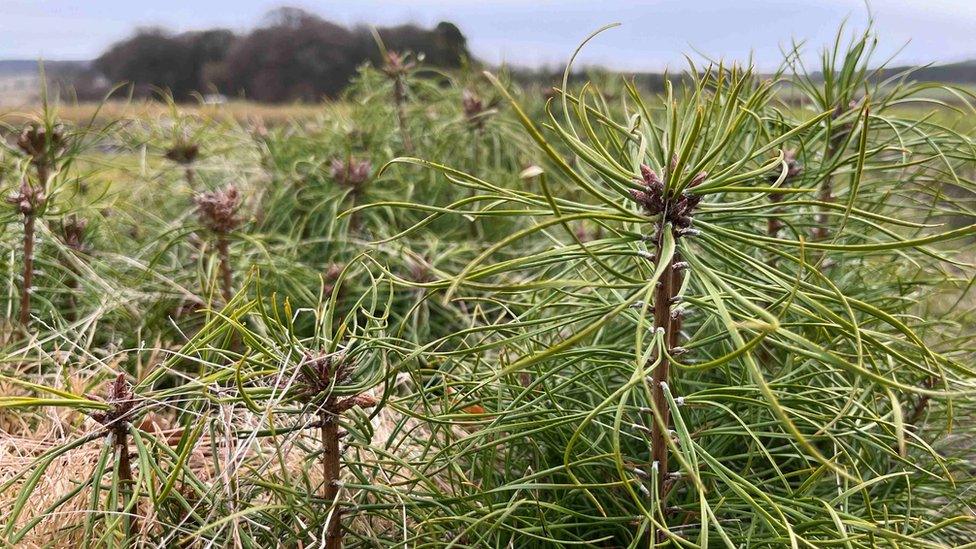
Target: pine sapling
[262,140]
[397,67]
[321,376]
[353,174]
[185,154]
[116,420]
[836,143]
[329,279]
[28,200]
[74,235]
[218,211]
[675,213]
[44,146]
[476,114]
[476,111]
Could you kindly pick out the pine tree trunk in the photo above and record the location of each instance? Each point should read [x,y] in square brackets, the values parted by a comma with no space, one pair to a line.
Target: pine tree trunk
[27,288]
[330,471]
[665,292]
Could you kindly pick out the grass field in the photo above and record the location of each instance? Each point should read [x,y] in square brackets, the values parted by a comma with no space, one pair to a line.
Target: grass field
[242,112]
[453,314]
[18,89]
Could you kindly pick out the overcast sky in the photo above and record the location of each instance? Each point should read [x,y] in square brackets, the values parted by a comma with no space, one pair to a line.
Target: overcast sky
[654,34]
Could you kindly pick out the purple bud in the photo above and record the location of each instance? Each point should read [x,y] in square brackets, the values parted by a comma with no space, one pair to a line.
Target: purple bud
[648,175]
[640,197]
[73,231]
[183,153]
[27,199]
[218,209]
[351,172]
[471,103]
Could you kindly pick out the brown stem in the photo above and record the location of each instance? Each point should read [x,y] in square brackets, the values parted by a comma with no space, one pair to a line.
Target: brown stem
[71,283]
[27,288]
[122,444]
[226,275]
[355,221]
[330,472]
[666,290]
[826,193]
[773,226]
[921,404]
[190,175]
[43,173]
[400,98]
[124,468]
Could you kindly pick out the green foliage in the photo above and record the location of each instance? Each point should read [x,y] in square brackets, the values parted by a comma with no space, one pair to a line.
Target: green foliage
[719,316]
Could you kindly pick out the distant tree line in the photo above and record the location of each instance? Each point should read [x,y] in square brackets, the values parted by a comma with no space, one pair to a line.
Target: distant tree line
[293,56]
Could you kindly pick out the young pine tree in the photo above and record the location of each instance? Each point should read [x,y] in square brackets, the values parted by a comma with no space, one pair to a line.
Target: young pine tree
[737,358]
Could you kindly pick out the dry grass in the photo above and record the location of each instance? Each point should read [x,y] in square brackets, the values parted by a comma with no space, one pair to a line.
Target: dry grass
[23,438]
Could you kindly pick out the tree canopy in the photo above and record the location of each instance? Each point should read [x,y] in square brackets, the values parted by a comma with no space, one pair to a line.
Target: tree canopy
[293,55]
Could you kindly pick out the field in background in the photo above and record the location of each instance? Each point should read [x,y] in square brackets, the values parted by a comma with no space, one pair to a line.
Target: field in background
[19,98]
[18,89]
[243,112]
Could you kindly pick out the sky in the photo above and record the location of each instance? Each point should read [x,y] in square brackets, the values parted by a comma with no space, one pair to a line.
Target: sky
[654,34]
